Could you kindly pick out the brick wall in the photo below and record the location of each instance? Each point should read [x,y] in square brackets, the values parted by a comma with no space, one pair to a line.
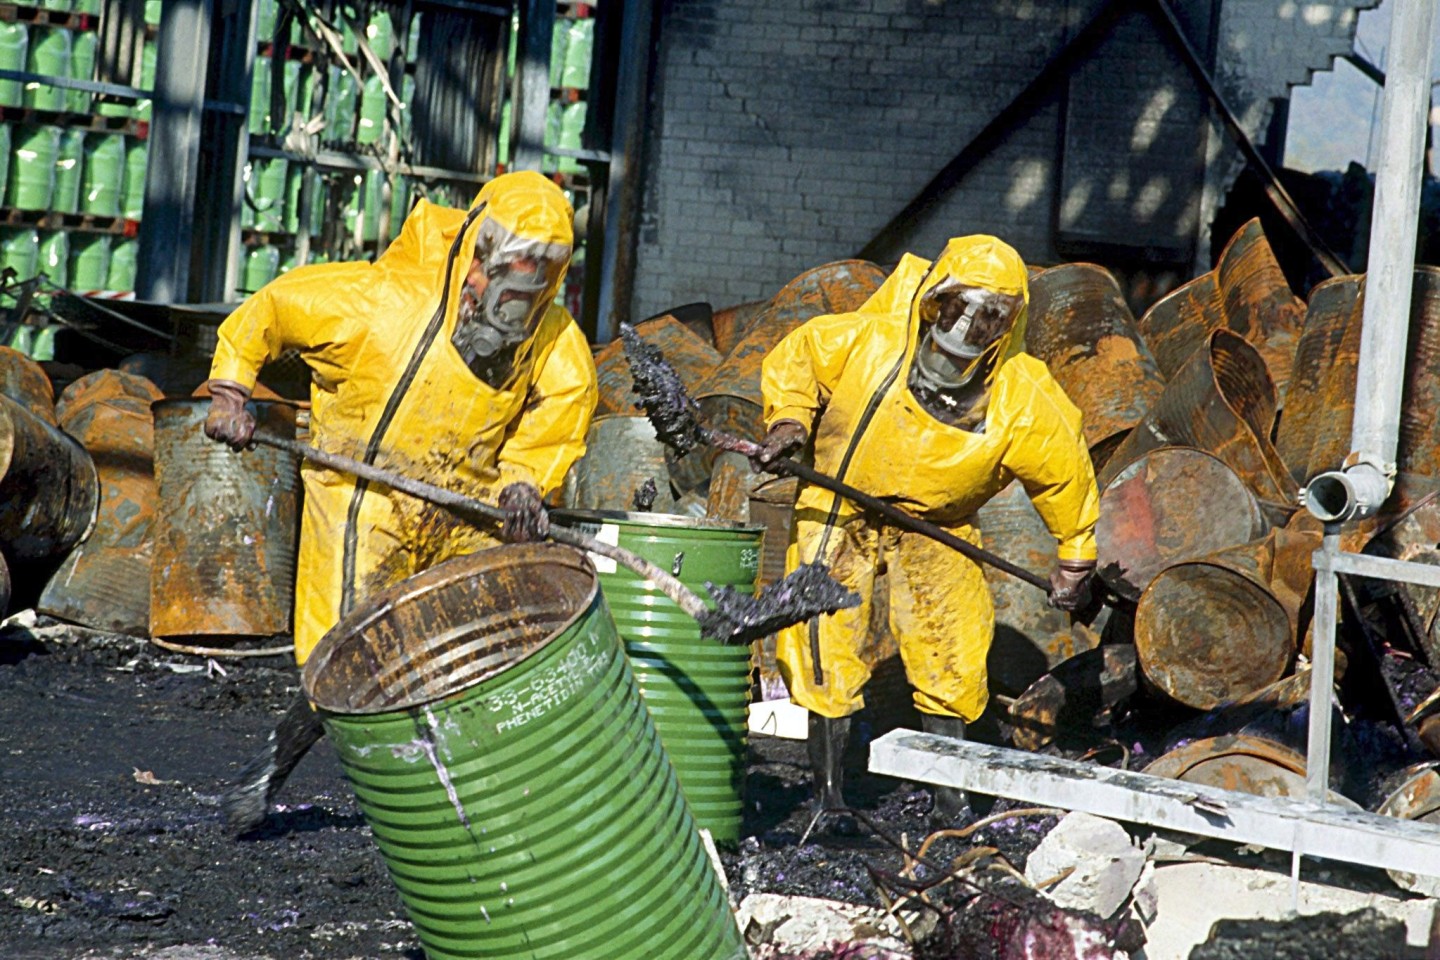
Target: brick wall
[786,134]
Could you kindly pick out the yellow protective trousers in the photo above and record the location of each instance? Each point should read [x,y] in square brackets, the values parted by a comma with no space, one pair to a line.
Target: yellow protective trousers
[940,613]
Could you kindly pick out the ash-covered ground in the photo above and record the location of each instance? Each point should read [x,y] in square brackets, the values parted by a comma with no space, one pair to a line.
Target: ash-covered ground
[115,755]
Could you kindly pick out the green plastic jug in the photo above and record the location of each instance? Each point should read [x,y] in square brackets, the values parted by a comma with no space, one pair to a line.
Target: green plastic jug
[502,145]
[69,164]
[373,203]
[268,191]
[49,56]
[265,17]
[148,55]
[14,46]
[42,347]
[21,339]
[152,12]
[104,173]
[20,250]
[294,180]
[55,4]
[89,262]
[82,67]
[578,49]
[341,99]
[259,122]
[372,111]
[31,182]
[572,124]
[91,7]
[399,205]
[262,264]
[380,34]
[55,256]
[554,114]
[407,97]
[289,263]
[4,157]
[123,259]
[137,159]
[412,42]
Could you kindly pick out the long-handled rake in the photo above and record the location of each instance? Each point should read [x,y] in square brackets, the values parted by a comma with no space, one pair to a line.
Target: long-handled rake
[735,618]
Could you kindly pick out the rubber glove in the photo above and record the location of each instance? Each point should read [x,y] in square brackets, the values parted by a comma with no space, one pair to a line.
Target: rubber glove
[1070,584]
[228,420]
[784,437]
[525,518]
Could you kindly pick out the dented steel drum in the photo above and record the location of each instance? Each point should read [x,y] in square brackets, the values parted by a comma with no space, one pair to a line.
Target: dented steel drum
[24,381]
[48,486]
[490,723]
[1313,434]
[696,689]
[729,398]
[621,454]
[105,581]
[1081,327]
[1030,635]
[685,350]
[1246,294]
[1221,401]
[732,323]
[1068,699]
[226,529]
[1243,762]
[1417,798]
[1170,505]
[1220,627]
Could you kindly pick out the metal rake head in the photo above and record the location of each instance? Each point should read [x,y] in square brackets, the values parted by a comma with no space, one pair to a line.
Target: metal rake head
[672,412]
[808,592]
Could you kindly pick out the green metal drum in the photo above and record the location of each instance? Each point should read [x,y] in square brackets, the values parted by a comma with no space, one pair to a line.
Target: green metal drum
[697,690]
[488,719]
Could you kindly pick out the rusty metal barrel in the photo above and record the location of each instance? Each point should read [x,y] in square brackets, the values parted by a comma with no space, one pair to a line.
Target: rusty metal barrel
[622,453]
[697,690]
[1221,401]
[1222,626]
[226,529]
[732,323]
[1169,505]
[24,381]
[692,357]
[105,581]
[1031,636]
[729,398]
[48,486]
[772,507]
[1244,762]
[1082,328]
[490,723]
[1416,798]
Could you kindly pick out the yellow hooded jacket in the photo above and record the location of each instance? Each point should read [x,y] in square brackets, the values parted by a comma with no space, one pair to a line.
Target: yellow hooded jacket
[844,377]
[390,388]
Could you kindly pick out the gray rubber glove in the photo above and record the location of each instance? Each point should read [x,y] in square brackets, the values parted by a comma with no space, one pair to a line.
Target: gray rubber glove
[228,420]
[785,436]
[1070,584]
[525,518]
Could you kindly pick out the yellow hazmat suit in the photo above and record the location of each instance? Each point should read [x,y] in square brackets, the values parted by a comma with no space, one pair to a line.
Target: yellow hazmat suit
[391,388]
[844,377]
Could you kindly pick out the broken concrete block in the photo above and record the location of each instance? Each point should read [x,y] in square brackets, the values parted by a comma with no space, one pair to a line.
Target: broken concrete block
[1103,864]
[775,924]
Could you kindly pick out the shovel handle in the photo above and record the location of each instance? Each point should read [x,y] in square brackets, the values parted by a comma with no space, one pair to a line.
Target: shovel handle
[684,598]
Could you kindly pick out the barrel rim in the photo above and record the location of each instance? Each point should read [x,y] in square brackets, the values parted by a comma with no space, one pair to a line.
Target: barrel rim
[667,520]
[382,602]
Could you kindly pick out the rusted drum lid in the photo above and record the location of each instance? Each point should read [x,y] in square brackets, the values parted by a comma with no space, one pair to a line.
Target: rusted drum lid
[24,381]
[1243,763]
[1169,505]
[692,357]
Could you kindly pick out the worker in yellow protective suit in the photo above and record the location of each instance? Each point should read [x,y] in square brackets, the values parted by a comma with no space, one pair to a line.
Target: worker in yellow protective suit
[448,360]
[923,397]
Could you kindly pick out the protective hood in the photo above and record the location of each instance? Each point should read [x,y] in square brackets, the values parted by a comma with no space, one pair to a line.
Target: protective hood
[982,261]
[520,229]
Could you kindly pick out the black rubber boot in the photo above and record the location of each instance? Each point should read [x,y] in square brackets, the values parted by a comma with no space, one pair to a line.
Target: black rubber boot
[248,800]
[826,741]
[951,807]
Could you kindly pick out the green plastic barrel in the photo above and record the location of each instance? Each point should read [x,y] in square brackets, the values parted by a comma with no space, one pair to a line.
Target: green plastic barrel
[69,165]
[372,111]
[259,116]
[89,262]
[578,50]
[380,34]
[124,257]
[55,256]
[373,202]
[4,157]
[49,56]
[31,181]
[22,338]
[572,124]
[152,12]
[697,690]
[262,264]
[554,112]
[88,6]
[290,262]
[14,47]
[103,176]
[82,67]
[267,190]
[137,161]
[502,146]
[20,251]
[559,40]
[489,722]
[148,55]
[399,205]
[55,4]
[42,347]
[265,17]
[294,180]
[341,100]
[407,97]
[412,42]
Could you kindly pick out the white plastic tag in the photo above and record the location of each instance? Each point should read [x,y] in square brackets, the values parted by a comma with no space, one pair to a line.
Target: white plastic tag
[609,533]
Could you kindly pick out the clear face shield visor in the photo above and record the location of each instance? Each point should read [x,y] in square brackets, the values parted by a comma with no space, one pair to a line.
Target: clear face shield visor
[964,321]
